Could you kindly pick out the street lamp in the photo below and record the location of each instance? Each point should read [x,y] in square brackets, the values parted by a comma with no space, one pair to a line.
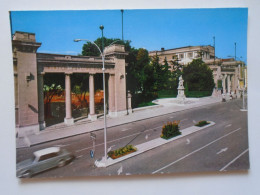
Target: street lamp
[104,86]
[102,53]
[122,11]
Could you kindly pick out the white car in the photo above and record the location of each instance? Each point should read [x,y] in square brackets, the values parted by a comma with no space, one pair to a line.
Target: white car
[43,160]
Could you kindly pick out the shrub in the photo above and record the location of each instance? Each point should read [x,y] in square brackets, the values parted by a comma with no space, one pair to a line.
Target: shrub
[171,129]
[202,123]
[121,151]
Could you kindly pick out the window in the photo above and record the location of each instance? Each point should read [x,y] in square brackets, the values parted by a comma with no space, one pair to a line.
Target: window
[48,156]
[174,57]
[190,55]
[181,56]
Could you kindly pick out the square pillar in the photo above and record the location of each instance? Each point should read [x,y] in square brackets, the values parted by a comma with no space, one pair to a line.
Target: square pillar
[41,101]
[92,115]
[111,95]
[224,83]
[68,116]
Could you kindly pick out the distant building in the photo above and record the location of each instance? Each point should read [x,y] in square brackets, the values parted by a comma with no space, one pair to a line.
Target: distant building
[184,54]
[228,73]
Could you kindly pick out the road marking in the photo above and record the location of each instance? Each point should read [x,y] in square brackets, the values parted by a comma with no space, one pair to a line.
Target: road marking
[117,139]
[194,121]
[120,170]
[146,137]
[184,119]
[222,150]
[110,148]
[79,156]
[188,141]
[172,117]
[223,169]
[195,151]
[126,129]
[228,125]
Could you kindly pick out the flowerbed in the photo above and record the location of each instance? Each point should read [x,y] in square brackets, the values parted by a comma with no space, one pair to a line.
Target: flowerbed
[122,151]
[202,123]
[171,129]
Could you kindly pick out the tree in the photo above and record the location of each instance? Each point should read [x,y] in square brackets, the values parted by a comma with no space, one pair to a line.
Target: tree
[160,73]
[80,86]
[89,49]
[198,76]
[53,86]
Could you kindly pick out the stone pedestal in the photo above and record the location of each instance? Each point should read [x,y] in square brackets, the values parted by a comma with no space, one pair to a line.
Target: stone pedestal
[129,103]
[181,96]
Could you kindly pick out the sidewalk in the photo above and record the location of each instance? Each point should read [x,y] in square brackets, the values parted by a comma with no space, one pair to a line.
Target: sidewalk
[61,131]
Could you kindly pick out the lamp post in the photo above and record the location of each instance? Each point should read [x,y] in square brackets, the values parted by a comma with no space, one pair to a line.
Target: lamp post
[102,53]
[214,49]
[104,86]
[104,94]
[122,11]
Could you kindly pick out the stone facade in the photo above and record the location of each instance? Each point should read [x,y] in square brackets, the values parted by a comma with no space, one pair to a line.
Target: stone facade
[30,68]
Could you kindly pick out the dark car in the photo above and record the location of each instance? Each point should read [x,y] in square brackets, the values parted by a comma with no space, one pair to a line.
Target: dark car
[43,160]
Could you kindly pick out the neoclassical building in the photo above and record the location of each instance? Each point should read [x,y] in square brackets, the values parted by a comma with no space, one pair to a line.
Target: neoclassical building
[30,68]
[228,73]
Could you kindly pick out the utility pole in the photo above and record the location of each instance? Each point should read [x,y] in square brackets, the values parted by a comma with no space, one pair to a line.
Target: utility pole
[122,11]
[104,91]
[214,49]
[235,51]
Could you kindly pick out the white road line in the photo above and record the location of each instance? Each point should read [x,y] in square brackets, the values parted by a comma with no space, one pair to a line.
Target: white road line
[126,129]
[222,150]
[228,125]
[184,119]
[223,169]
[195,151]
[117,139]
[172,117]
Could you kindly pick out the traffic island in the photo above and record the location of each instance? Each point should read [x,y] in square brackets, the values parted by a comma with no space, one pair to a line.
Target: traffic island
[141,148]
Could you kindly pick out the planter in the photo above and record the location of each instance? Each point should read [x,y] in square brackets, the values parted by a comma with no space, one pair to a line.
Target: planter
[202,123]
[167,138]
[122,152]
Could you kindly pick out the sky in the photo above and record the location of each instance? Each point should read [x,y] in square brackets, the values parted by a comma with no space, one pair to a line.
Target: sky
[150,29]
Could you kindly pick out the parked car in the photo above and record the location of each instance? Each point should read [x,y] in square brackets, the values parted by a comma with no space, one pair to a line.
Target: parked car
[43,160]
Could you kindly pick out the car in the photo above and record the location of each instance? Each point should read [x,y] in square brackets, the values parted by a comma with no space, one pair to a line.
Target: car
[43,160]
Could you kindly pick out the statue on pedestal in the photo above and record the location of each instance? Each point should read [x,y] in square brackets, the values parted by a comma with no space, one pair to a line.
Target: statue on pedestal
[181,95]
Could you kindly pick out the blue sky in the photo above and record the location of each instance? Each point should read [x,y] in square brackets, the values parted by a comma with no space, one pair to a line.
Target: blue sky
[150,29]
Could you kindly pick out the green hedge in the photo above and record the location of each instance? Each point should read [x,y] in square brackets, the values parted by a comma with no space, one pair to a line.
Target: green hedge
[198,94]
[171,129]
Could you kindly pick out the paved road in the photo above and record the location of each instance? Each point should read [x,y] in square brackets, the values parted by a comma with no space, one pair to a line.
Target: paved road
[223,147]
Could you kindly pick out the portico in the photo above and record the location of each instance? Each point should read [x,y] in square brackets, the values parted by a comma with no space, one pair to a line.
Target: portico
[31,74]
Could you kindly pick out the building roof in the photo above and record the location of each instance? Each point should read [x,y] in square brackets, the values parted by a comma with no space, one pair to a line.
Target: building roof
[181,48]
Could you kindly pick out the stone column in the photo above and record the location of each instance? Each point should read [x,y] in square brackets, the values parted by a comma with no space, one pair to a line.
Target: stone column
[92,114]
[129,102]
[224,83]
[228,83]
[68,118]
[41,101]
[111,95]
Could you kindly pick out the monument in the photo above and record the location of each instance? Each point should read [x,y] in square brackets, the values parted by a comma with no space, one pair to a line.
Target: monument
[181,96]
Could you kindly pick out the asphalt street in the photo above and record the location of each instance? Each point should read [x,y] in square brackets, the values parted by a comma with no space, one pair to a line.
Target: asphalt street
[222,147]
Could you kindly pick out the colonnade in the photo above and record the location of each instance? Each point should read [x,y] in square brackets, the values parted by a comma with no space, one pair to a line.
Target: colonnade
[68,111]
[229,85]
